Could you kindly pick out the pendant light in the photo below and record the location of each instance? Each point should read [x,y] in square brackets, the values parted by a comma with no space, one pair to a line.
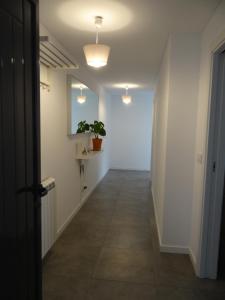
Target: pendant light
[97,54]
[126,98]
[81,99]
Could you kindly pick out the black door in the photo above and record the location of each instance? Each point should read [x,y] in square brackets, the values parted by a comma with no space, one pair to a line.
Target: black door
[221,265]
[20,228]
[221,261]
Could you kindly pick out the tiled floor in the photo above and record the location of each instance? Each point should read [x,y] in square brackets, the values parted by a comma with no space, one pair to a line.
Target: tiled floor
[110,251]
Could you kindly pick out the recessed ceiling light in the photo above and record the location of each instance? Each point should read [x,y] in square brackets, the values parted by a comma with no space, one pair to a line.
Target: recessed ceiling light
[78,86]
[124,85]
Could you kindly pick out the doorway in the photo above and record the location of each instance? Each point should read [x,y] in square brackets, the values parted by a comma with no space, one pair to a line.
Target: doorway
[221,261]
[212,245]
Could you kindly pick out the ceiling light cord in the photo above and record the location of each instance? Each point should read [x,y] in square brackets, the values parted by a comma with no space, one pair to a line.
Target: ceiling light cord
[98,25]
[97,36]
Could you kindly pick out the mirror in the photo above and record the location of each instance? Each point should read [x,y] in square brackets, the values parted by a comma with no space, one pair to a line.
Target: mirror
[82,104]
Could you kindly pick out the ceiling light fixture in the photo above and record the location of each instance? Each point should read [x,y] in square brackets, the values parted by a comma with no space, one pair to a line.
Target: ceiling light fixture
[97,54]
[81,99]
[126,98]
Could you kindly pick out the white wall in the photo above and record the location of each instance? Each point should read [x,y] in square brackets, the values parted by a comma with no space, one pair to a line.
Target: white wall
[159,138]
[213,36]
[184,76]
[58,149]
[131,132]
[182,107]
[174,140]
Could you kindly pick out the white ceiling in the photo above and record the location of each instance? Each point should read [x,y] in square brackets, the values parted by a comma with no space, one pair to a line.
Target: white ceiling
[136,30]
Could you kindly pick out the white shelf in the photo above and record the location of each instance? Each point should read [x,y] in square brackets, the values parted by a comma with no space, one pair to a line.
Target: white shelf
[89,155]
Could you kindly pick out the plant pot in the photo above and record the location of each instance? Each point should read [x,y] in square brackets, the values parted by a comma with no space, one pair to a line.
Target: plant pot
[97,143]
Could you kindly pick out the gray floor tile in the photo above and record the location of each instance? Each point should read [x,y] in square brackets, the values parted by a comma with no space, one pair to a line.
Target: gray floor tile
[110,251]
[115,290]
[84,235]
[174,270]
[92,217]
[67,287]
[172,293]
[175,294]
[129,236]
[103,205]
[78,261]
[125,265]
[210,295]
[132,218]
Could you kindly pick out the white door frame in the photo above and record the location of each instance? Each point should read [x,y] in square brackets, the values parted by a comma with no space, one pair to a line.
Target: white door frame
[214,177]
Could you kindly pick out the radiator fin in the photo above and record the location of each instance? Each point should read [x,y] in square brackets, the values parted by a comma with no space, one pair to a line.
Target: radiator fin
[48,216]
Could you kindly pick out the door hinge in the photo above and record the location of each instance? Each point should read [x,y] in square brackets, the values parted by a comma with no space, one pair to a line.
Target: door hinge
[214,166]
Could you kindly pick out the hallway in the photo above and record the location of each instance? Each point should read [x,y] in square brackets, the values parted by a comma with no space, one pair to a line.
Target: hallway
[110,251]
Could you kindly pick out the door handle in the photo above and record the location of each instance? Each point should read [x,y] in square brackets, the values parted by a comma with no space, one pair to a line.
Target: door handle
[39,190]
[42,191]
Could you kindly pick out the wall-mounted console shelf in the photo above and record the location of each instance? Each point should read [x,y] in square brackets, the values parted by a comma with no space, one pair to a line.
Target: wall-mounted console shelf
[88,155]
[82,159]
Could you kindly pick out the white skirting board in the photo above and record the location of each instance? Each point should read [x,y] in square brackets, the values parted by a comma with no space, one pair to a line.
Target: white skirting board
[172,248]
[76,210]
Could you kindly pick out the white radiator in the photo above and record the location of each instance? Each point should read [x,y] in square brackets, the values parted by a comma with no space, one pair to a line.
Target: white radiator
[48,216]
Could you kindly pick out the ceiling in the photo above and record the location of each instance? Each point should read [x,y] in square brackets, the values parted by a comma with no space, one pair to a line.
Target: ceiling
[136,30]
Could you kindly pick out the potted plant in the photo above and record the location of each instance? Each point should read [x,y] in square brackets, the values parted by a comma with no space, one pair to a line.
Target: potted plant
[97,129]
[83,126]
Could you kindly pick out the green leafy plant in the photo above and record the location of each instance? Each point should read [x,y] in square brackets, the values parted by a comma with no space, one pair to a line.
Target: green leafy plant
[83,126]
[98,129]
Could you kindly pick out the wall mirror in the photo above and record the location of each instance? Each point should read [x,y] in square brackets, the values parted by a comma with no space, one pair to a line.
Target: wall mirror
[82,104]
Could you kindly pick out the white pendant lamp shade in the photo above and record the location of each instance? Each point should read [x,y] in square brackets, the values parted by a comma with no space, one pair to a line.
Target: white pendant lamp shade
[81,98]
[126,99]
[96,55]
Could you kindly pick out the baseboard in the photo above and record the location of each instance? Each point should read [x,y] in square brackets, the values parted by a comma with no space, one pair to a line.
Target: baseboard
[130,169]
[171,248]
[193,261]
[174,249]
[164,248]
[69,219]
[156,218]
[76,210]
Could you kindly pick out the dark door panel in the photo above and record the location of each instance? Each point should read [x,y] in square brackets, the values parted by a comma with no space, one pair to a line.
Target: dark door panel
[8,222]
[20,156]
[19,106]
[221,261]
[20,228]
[221,264]
[32,147]
[13,7]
